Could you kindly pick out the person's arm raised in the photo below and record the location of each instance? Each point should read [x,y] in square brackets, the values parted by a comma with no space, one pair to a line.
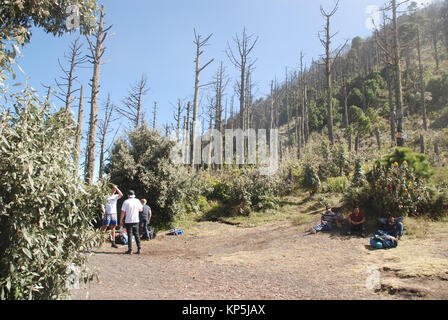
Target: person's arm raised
[120,194]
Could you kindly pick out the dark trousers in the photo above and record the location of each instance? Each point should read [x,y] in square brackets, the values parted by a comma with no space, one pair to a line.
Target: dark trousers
[144,229]
[133,230]
[359,228]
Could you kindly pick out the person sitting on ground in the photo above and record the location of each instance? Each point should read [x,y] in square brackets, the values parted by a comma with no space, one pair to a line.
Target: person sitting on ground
[328,217]
[391,226]
[356,222]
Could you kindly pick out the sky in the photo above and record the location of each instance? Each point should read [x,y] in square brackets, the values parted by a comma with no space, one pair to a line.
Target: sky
[156,38]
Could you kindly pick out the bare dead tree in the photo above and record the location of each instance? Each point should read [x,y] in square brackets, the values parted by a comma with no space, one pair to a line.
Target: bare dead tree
[66,82]
[177,115]
[104,128]
[132,108]
[154,116]
[398,82]
[243,62]
[200,44]
[422,81]
[79,131]
[221,81]
[96,53]
[388,58]
[329,63]
[188,122]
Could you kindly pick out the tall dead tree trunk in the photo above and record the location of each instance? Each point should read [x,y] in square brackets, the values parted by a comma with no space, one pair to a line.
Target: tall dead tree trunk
[104,130]
[79,132]
[177,118]
[422,82]
[132,108]
[199,45]
[242,62]
[388,59]
[75,60]
[188,128]
[329,62]
[398,84]
[97,51]
[154,116]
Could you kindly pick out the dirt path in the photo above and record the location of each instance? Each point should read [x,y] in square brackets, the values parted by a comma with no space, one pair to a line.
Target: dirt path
[218,261]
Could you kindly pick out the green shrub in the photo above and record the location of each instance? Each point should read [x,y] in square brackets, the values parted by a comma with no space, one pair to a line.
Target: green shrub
[143,164]
[415,161]
[247,189]
[359,196]
[311,180]
[46,216]
[399,191]
[335,185]
[359,179]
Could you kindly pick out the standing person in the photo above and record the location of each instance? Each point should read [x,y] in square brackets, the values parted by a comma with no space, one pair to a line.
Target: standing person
[356,221]
[145,218]
[110,215]
[130,210]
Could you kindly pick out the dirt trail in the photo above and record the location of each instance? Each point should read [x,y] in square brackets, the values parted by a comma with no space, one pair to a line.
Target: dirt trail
[218,261]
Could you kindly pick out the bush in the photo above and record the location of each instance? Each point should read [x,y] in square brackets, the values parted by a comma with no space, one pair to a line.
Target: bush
[415,161]
[46,217]
[335,185]
[311,180]
[359,179]
[359,196]
[246,190]
[399,191]
[143,164]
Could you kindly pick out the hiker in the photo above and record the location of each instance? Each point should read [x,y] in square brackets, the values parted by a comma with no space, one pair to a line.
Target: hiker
[130,210]
[145,218]
[328,217]
[391,226]
[110,214]
[356,221]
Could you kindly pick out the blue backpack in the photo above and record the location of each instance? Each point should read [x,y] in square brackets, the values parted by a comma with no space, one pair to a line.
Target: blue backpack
[175,232]
[383,242]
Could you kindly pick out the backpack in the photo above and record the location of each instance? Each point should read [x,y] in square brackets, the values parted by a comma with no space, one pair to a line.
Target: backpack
[383,242]
[175,232]
[152,234]
[122,239]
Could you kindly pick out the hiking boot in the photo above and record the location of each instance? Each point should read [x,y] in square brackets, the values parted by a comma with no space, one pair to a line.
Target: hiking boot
[138,251]
[114,245]
[128,252]
[349,233]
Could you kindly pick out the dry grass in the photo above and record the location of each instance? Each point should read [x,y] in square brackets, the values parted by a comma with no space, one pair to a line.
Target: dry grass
[418,267]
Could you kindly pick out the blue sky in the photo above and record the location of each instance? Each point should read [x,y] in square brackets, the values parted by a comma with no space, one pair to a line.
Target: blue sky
[156,38]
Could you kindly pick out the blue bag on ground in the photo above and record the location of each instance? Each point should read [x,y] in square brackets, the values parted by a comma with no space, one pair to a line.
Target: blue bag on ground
[383,241]
[175,232]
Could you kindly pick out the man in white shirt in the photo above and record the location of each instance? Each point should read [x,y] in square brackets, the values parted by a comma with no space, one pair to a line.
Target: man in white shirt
[130,214]
[110,215]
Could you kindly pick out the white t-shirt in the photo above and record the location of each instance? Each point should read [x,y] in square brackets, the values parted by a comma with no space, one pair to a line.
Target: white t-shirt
[132,207]
[111,204]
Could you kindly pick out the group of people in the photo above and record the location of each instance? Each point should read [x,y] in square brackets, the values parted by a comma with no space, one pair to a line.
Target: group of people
[135,217]
[356,223]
